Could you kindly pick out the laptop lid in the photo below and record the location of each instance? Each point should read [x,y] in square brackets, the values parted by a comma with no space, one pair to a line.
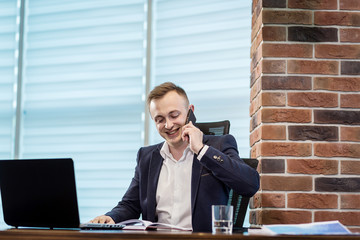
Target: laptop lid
[39,193]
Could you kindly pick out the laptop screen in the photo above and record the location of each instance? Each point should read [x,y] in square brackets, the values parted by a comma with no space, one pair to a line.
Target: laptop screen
[39,193]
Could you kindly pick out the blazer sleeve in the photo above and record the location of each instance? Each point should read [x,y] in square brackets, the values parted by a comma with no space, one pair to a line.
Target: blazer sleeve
[222,159]
[129,207]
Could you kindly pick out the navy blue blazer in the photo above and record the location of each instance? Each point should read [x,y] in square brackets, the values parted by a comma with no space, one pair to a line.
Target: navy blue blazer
[219,170]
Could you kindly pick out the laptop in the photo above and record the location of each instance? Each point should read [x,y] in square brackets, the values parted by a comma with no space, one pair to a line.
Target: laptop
[40,193]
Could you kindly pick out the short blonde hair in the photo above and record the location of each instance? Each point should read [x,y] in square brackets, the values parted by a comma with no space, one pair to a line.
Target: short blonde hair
[162,89]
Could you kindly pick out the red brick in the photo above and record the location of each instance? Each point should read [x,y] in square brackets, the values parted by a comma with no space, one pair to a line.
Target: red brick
[337,51]
[256,73]
[286,83]
[312,166]
[274,132]
[256,26]
[273,66]
[257,56]
[350,35]
[350,167]
[337,18]
[255,201]
[351,84]
[274,3]
[350,134]
[256,43]
[271,33]
[255,150]
[350,68]
[255,88]
[273,99]
[275,200]
[255,136]
[334,116]
[312,99]
[312,201]
[350,100]
[275,149]
[287,50]
[255,3]
[346,218]
[312,34]
[256,10]
[255,217]
[255,105]
[337,184]
[272,165]
[349,4]
[313,67]
[286,183]
[285,217]
[313,4]
[255,120]
[337,150]
[271,115]
[313,133]
[287,17]
[350,201]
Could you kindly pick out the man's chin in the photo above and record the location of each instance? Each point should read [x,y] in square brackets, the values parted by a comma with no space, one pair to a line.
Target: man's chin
[174,141]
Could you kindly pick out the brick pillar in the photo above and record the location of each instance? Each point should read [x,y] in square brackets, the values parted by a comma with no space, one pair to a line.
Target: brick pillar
[305,111]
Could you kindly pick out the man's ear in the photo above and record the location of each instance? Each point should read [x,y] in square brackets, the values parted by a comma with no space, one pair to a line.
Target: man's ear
[191,106]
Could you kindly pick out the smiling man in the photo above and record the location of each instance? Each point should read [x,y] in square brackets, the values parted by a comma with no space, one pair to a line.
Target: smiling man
[178,180]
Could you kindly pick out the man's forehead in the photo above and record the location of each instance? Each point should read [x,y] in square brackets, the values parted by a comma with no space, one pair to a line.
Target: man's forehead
[171,98]
[167,105]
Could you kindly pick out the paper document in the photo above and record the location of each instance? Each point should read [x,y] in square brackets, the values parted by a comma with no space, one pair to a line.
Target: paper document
[316,228]
[137,224]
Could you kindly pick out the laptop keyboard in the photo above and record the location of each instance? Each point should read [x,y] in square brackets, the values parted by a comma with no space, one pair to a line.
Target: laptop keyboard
[101,226]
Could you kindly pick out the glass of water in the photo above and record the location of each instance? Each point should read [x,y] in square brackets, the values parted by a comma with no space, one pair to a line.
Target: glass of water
[222,218]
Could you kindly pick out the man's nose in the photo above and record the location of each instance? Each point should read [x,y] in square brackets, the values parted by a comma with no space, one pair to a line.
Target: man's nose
[169,124]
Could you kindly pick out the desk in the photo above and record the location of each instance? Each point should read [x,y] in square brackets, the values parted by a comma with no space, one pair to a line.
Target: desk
[45,234]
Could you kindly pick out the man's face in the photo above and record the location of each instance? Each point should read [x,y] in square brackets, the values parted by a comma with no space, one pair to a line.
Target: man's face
[169,114]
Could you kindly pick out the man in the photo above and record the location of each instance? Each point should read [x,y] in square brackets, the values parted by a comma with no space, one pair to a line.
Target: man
[177,181]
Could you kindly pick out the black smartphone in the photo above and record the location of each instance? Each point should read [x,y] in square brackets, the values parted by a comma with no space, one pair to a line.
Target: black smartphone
[190,117]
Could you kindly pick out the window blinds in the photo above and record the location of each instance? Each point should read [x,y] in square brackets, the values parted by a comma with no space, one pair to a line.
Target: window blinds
[8,61]
[83,88]
[203,46]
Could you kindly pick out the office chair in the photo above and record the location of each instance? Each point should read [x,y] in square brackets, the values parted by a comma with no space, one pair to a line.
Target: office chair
[239,202]
[214,128]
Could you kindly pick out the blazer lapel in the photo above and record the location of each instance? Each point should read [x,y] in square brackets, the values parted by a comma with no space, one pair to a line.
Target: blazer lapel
[195,178]
[154,172]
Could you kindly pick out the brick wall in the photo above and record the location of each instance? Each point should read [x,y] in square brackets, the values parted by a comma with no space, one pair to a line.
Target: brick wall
[305,111]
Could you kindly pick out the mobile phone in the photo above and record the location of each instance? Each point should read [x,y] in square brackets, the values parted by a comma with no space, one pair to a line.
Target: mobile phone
[190,117]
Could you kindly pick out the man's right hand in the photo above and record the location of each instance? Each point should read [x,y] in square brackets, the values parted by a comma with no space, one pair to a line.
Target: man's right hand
[103,219]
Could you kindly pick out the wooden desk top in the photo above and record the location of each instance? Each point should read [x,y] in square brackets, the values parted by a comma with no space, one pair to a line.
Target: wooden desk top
[47,234]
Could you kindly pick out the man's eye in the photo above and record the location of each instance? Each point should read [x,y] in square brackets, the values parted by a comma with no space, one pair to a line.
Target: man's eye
[174,115]
[159,120]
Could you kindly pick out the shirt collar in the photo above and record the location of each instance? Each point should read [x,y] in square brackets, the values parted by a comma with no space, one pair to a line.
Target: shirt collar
[166,154]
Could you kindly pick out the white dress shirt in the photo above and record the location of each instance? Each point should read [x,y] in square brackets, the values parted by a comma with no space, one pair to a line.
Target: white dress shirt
[173,194]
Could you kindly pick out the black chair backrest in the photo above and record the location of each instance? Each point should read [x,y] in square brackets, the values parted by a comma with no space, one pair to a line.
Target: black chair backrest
[214,128]
[239,202]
